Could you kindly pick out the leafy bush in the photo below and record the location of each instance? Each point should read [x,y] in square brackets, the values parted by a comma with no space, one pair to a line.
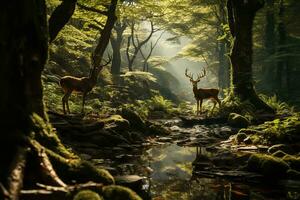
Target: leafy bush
[278,106]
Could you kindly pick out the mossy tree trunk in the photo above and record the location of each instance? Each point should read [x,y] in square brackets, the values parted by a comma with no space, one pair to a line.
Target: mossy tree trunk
[240,17]
[23,53]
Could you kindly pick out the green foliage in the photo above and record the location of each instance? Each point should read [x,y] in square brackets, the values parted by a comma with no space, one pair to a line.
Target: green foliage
[278,131]
[139,75]
[159,103]
[278,106]
[232,104]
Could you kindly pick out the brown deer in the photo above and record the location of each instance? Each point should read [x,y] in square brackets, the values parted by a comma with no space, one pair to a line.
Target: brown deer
[200,93]
[81,85]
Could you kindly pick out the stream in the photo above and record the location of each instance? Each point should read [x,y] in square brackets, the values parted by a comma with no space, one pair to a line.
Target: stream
[193,167]
[193,162]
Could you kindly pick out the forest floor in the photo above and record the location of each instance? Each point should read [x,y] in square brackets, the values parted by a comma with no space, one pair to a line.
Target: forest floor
[171,158]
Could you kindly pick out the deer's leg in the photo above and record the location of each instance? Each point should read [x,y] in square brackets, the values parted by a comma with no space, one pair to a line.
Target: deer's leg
[67,101]
[219,102]
[201,101]
[63,99]
[215,102]
[83,101]
[197,102]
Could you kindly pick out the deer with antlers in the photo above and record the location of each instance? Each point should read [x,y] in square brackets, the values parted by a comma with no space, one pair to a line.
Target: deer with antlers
[81,85]
[200,94]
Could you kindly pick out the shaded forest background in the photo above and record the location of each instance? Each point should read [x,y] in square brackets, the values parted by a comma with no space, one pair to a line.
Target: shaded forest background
[164,38]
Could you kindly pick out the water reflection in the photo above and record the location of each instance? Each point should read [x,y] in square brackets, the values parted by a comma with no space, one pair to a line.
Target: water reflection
[173,176]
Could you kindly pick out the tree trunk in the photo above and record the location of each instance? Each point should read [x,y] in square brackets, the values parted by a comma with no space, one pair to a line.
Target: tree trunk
[105,34]
[281,51]
[223,73]
[116,43]
[60,17]
[241,55]
[23,53]
[269,42]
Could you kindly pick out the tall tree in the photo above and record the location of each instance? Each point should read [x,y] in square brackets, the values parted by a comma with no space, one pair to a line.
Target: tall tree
[24,46]
[269,45]
[136,43]
[60,16]
[105,34]
[281,51]
[240,17]
[116,40]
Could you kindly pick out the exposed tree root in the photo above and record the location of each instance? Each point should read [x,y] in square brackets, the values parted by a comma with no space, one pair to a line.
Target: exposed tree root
[46,167]
[15,179]
[47,192]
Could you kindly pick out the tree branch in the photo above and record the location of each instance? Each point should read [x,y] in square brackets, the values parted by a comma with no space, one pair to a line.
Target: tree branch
[92,9]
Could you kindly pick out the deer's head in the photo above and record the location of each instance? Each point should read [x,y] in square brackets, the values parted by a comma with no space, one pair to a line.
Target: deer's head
[197,80]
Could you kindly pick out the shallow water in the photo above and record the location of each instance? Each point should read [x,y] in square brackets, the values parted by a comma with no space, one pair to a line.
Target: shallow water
[172,177]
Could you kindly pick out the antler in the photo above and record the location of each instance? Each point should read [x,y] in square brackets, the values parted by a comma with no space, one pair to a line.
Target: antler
[107,61]
[190,75]
[201,75]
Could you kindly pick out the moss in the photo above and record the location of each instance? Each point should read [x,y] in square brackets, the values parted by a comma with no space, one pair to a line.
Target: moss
[47,137]
[87,195]
[156,129]
[256,139]
[267,165]
[293,161]
[78,170]
[248,131]
[237,120]
[134,118]
[240,137]
[114,192]
[293,174]
[117,122]
[279,154]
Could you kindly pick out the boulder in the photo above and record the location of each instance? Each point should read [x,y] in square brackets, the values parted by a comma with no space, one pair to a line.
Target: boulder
[267,165]
[87,195]
[237,120]
[134,118]
[117,123]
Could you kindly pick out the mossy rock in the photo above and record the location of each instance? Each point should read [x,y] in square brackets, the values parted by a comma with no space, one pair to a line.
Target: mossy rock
[115,192]
[79,170]
[117,123]
[267,165]
[249,131]
[240,137]
[279,154]
[293,174]
[237,120]
[87,195]
[279,147]
[134,119]
[156,129]
[293,161]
